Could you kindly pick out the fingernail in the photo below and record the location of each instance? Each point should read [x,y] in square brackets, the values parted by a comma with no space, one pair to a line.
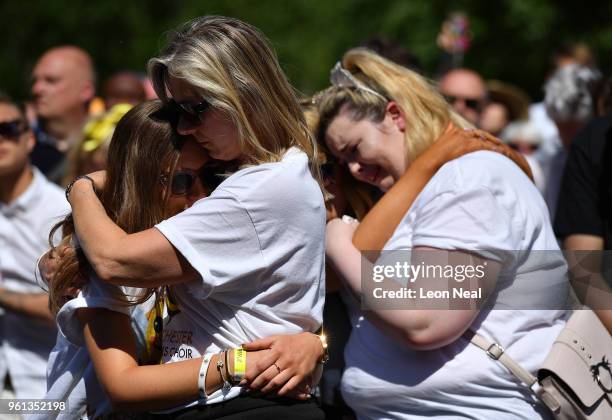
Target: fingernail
[242,382]
[348,219]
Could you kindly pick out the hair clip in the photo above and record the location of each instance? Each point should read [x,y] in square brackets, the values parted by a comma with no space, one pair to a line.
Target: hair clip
[342,78]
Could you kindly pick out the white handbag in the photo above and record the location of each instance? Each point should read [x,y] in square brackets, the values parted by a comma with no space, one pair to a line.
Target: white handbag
[575,380]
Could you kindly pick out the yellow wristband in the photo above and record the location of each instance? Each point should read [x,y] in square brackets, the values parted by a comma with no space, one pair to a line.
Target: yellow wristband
[239,364]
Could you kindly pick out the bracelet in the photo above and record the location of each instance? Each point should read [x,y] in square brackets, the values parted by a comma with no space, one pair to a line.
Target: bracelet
[202,376]
[69,187]
[221,368]
[323,339]
[239,364]
[227,372]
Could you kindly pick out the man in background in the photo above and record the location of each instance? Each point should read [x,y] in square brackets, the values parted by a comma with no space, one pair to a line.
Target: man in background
[466,91]
[29,206]
[63,85]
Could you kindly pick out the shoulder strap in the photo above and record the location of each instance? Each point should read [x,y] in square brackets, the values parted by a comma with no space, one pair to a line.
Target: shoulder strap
[497,352]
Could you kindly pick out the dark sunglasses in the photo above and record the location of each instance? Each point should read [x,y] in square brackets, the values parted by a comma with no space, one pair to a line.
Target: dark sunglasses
[183,180]
[12,129]
[473,104]
[524,147]
[191,110]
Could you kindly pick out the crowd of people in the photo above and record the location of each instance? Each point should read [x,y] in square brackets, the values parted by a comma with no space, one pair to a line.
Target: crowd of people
[192,243]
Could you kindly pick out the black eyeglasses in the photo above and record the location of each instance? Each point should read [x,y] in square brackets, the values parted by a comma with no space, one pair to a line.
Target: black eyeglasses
[12,129]
[473,104]
[192,110]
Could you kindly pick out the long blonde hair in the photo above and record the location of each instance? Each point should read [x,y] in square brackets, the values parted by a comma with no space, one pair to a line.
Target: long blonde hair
[231,64]
[427,113]
[143,147]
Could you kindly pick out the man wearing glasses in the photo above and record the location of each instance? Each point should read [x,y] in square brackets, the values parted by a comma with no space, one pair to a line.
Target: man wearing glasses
[29,206]
[466,92]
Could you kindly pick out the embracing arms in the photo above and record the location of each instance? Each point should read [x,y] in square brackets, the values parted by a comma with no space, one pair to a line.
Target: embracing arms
[130,387]
[421,325]
[144,259]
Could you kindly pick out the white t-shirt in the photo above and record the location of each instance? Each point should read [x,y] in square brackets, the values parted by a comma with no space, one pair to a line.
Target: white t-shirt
[70,373]
[25,341]
[481,201]
[258,244]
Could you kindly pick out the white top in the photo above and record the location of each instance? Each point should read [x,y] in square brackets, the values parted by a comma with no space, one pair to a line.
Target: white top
[483,202]
[551,143]
[258,244]
[24,236]
[70,373]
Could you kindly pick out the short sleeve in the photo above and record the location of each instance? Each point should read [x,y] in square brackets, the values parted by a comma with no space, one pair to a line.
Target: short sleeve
[96,294]
[218,238]
[578,206]
[469,220]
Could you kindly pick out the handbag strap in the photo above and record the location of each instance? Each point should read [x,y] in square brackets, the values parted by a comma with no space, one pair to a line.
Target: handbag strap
[497,352]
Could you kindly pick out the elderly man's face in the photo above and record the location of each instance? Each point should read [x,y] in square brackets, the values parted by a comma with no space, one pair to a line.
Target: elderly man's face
[61,83]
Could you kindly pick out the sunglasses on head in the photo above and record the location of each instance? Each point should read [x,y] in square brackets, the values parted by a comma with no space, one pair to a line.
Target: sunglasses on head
[12,129]
[190,109]
[473,104]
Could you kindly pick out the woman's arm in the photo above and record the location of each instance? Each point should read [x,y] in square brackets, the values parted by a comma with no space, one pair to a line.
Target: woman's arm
[144,259]
[424,323]
[130,387]
[35,305]
[382,220]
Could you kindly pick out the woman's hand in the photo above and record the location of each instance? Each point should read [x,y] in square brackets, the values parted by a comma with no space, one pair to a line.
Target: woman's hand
[99,179]
[338,234]
[50,261]
[456,142]
[290,366]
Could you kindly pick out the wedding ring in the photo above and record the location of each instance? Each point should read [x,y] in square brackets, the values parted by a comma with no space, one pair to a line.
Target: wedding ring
[277,368]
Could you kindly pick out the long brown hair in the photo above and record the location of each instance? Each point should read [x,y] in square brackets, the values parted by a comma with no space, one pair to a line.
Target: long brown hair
[143,147]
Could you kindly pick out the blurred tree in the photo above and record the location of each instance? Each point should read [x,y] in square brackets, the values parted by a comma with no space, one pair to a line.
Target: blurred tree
[512,39]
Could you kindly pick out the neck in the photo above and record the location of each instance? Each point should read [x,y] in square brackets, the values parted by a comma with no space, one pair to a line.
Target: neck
[67,129]
[11,187]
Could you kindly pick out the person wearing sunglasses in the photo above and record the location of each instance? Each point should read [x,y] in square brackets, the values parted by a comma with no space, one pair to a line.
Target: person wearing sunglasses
[247,262]
[466,92]
[29,206]
[93,365]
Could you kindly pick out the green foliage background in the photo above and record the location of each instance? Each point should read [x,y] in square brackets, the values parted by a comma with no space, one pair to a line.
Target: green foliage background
[512,41]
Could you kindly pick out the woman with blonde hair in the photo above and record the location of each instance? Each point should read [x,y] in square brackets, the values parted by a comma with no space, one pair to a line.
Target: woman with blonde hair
[416,360]
[247,262]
